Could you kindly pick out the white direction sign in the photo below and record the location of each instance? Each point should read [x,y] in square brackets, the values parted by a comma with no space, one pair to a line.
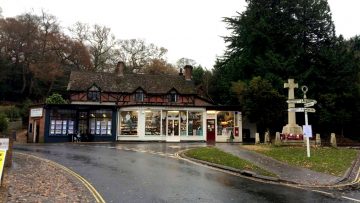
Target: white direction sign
[312,103]
[311,110]
[295,101]
[301,101]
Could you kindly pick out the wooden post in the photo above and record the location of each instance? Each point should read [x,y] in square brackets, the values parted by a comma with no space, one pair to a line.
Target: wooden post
[318,140]
[8,159]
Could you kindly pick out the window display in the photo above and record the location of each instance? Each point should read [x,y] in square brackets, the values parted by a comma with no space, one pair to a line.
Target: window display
[129,122]
[225,123]
[62,122]
[163,122]
[152,122]
[100,122]
[195,124]
[183,122]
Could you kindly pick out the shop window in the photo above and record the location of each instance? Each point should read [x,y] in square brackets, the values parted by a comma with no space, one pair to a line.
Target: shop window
[128,122]
[100,122]
[183,123]
[225,123]
[62,122]
[139,96]
[163,122]
[93,94]
[195,126]
[152,122]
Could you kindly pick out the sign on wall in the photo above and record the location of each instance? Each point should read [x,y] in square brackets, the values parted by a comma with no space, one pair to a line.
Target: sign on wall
[36,112]
[4,143]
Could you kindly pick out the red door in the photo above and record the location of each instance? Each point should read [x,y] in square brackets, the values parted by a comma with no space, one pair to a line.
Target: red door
[210,132]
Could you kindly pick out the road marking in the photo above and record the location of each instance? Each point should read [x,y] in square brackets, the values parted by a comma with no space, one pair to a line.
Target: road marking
[327,193]
[357,178]
[349,198]
[87,184]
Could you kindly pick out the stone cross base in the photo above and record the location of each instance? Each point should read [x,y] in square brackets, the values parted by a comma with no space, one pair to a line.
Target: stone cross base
[292,129]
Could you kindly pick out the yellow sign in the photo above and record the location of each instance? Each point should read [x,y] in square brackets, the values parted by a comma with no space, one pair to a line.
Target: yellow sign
[2,161]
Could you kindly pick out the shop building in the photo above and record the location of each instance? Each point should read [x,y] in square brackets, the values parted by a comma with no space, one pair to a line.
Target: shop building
[137,107]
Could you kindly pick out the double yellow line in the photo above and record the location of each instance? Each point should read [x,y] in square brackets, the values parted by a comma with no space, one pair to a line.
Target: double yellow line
[88,185]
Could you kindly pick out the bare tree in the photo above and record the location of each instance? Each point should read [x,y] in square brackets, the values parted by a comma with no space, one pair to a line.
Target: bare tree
[137,54]
[100,42]
[181,63]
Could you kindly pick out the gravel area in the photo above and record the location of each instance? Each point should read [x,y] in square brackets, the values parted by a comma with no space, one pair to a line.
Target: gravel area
[34,180]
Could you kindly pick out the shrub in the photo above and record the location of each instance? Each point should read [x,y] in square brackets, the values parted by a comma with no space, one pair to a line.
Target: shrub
[55,99]
[4,123]
[13,113]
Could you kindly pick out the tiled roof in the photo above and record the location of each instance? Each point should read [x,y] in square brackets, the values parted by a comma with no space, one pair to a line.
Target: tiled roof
[110,82]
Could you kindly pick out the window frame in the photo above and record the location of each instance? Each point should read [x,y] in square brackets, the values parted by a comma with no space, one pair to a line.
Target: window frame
[173,97]
[139,95]
[93,94]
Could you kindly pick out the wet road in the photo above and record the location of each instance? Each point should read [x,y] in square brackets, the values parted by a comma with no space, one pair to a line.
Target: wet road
[150,172]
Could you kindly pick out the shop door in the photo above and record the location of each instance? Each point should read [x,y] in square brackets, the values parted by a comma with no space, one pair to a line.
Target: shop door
[173,130]
[83,125]
[36,132]
[210,132]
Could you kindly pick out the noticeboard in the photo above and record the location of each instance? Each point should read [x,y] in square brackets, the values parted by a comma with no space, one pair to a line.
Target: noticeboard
[37,112]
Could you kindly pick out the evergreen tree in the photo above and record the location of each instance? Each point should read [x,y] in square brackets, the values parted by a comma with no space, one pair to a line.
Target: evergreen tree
[277,40]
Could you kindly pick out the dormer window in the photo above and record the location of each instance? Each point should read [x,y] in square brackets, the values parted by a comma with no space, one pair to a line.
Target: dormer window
[139,96]
[93,94]
[173,96]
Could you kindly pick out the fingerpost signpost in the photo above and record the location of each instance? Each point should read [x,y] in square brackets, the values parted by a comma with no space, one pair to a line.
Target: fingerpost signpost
[307,130]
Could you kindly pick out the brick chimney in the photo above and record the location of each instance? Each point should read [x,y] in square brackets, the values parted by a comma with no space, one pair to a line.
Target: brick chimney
[181,73]
[188,72]
[119,69]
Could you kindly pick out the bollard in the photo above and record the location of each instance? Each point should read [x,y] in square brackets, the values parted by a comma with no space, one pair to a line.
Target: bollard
[257,138]
[277,139]
[333,140]
[318,140]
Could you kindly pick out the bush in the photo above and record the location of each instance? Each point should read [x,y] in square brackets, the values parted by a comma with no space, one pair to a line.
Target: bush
[4,123]
[13,113]
[55,99]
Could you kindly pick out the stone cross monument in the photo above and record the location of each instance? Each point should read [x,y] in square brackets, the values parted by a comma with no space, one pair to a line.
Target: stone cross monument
[291,127]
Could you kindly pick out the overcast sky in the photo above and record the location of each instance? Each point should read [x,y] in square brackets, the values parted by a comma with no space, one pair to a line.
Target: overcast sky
[187,28]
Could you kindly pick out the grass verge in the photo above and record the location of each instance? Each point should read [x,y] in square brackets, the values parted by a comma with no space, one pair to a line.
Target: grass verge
[214,155]
[333,161]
